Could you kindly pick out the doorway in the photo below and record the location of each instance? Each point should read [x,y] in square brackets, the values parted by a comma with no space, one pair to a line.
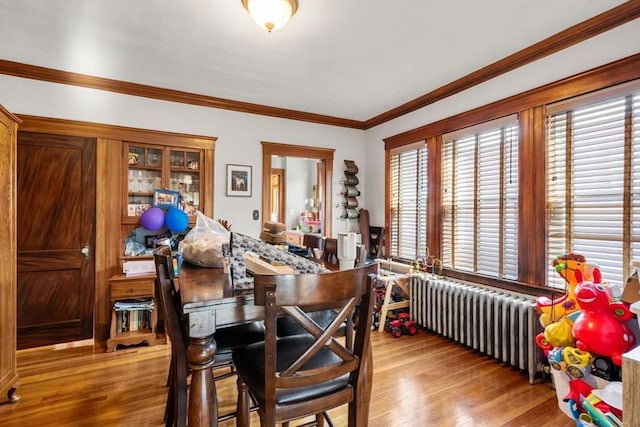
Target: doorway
[323,189]
[55,233]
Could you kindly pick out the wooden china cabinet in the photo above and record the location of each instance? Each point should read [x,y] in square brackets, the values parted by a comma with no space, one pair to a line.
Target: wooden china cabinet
[8,310]
[154,173]
[166,168]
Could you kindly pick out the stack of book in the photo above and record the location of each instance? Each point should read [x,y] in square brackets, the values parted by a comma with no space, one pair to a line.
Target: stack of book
[133,315]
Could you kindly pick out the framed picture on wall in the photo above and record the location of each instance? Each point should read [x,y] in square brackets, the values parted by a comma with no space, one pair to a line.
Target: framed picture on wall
[239,181]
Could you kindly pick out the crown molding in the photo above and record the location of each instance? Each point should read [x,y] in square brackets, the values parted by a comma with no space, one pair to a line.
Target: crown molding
[578,33]
[35,72]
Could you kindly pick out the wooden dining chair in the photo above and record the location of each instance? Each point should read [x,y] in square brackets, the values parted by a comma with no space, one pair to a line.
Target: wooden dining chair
[305,375]
[176,328]
[330,254]
[314,243]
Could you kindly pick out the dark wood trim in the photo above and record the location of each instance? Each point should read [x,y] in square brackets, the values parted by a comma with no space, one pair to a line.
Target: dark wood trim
[434,208]
[539,184]
[10,115]
[278,149]
[531,109]
[578,33]
[616,72]
[109,173]
[79,128]
[287,150]
[528,234]
[524,288]
[35,72]
[387,203]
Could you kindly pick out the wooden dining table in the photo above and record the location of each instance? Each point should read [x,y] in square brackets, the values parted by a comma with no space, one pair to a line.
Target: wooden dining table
[210,302]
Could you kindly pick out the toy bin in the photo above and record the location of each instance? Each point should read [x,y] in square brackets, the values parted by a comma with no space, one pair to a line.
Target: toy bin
[561,384]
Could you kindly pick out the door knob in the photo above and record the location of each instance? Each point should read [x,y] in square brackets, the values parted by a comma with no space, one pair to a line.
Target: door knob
[85,251]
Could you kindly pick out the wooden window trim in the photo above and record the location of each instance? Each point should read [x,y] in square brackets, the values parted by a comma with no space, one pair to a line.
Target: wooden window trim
[531,107]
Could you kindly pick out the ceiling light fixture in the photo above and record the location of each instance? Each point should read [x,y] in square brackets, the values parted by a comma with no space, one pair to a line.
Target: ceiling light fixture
[271,14]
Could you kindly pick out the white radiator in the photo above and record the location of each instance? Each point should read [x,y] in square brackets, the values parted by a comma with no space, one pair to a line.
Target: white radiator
[493,321]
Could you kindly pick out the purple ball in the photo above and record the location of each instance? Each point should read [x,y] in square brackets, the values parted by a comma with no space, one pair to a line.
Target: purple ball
[152,219]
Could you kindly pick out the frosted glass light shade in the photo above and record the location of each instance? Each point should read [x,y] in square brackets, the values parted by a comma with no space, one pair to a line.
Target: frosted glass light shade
[271,14]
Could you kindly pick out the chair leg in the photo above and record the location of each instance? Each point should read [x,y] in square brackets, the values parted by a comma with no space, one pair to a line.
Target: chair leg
[320,419]
[242,410]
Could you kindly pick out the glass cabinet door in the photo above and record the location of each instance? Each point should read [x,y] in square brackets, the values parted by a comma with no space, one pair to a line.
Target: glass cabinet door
[184,177]
[153,168]
[144,175]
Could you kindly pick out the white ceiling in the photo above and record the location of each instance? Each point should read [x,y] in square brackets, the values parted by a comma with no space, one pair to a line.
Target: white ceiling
[353,59]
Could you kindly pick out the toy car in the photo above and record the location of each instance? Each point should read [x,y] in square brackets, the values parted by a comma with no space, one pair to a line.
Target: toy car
[401,325]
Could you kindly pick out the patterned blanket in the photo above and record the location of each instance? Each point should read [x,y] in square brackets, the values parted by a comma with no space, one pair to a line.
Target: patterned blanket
[241,243]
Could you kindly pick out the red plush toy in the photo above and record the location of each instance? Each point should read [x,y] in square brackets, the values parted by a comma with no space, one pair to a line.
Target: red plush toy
[599,328]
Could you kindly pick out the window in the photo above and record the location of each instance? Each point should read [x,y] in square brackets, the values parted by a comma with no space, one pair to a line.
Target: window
[408,186]
[480,199]
[593,181]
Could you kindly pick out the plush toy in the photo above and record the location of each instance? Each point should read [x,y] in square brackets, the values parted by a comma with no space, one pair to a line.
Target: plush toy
[599,328]
[557,334]
[551,310]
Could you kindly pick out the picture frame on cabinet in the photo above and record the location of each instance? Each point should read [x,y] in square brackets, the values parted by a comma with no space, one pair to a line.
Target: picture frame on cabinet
[165,199]
[239,180]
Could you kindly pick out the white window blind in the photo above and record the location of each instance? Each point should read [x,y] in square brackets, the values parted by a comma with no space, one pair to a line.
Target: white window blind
[408,187]
[593,184]
[480,199]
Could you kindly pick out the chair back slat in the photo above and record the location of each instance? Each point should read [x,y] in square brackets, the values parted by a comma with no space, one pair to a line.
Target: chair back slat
[312,376]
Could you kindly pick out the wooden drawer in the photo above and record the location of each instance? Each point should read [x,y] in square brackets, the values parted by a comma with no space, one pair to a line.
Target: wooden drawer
[132,289]
[294,238]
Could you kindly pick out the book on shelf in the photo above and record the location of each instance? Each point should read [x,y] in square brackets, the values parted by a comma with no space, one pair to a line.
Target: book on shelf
[134,320]
[133,315]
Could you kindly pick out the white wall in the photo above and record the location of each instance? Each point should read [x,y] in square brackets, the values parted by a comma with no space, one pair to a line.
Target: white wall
[239,134]
[616,44]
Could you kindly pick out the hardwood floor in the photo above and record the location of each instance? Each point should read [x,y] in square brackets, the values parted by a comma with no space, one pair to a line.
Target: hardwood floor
[422,380]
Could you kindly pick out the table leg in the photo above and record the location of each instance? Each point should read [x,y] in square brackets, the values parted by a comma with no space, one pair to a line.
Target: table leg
[203,403]
[359,410]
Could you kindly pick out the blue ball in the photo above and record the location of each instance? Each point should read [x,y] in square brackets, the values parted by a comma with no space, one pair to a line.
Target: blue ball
[176,220]
[152,219]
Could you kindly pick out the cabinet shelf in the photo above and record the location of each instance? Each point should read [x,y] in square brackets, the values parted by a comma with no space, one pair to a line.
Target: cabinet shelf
[145,167]
[166,167]
[140,333]
[123,288]
[185,170]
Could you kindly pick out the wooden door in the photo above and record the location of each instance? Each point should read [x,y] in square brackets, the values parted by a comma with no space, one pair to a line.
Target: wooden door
[56,223]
